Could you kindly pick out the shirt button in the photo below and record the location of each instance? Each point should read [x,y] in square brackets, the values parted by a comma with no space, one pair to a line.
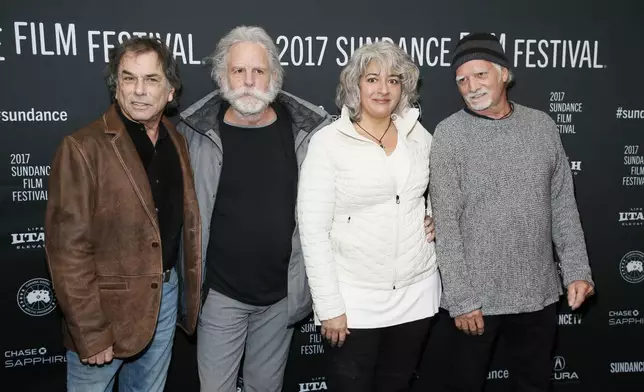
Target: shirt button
[157,181]
[157,209]
[154,285]
[155,244]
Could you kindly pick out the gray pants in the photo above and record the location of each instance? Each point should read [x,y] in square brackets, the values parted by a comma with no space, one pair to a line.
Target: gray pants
[227,328]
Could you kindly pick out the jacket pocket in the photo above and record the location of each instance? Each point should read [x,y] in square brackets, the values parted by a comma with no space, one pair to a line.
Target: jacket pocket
[342,236]
[112,285]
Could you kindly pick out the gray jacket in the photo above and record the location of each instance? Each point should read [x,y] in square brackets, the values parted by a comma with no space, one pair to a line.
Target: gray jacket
[200,127]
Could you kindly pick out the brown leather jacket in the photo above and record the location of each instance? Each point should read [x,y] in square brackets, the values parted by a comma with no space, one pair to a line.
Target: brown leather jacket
[103,243]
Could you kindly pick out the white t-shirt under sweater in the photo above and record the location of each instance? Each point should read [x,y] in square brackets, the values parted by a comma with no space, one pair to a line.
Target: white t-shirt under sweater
[370,308]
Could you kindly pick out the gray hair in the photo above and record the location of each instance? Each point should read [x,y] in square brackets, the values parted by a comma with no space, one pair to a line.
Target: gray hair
[254,34]
[510,80]
[387,55]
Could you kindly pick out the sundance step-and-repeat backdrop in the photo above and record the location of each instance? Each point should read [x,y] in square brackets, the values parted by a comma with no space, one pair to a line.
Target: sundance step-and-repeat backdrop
[578,60]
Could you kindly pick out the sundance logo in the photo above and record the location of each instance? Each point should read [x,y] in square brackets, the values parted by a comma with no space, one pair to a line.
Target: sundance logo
[569,319]
[629,113]
[33,115]
[627,367]
[499,374]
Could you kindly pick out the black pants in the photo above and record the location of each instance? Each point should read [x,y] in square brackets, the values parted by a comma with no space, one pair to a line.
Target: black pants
[379,359]
[528,340]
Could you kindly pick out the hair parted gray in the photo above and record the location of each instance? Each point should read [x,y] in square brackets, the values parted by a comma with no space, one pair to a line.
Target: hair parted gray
[140,45]
[254,34]
[510,81]
[389,56]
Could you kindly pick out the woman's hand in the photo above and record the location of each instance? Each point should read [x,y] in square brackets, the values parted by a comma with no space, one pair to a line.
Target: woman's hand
[335,330]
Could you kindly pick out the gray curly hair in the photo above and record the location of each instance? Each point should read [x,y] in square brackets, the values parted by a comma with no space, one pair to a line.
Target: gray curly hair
[254,34]
[390,57]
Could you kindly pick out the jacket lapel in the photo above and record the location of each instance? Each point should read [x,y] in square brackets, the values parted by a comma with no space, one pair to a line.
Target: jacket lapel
[182,152]
[131,162]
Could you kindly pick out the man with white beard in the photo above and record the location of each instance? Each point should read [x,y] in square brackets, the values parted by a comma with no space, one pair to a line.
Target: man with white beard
[502,192]
[255,286]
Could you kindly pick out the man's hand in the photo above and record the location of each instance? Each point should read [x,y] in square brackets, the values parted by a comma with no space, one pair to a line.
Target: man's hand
[471,323]
[578,291]
[429,228]
[335,330]
[101,358]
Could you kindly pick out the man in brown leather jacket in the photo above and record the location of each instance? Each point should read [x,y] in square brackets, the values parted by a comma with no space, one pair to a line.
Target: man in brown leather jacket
[123,229]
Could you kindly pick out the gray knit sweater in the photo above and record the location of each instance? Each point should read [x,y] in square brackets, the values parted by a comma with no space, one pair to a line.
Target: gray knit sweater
[502,193]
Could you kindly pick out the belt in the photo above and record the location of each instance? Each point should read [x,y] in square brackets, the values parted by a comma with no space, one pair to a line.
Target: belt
[166,276]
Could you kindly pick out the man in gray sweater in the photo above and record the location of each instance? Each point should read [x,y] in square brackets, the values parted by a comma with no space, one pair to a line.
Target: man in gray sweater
[502,194]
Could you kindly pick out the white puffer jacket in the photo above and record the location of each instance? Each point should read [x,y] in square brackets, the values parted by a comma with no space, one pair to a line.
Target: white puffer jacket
[354,227]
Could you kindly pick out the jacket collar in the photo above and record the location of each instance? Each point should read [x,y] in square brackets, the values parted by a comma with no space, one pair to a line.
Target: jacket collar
[129,158]
[202,115]
[404,122]
[113,124]
[112,121]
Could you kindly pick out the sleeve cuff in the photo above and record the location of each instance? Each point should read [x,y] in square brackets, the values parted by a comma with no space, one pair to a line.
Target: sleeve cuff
[570,277]
[328,313]
[99,343]
[464,307]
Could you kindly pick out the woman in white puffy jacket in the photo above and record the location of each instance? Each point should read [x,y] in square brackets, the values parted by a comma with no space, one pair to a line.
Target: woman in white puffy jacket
[361,209]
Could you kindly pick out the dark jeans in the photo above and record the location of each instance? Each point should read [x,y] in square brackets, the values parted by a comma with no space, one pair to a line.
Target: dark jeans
[379,359]
[528,339]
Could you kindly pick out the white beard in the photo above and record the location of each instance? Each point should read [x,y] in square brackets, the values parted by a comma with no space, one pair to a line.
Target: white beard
[482,105]
[249,101]
[248,105]
[483,90]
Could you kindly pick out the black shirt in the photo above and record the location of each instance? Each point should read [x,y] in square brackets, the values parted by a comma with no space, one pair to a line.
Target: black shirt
[161,163]
[254,215]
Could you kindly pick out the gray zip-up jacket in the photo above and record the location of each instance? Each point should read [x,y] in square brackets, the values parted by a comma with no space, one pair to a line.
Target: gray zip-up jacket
[200,127]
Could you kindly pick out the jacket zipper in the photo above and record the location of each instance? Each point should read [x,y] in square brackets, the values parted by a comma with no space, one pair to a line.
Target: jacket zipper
[396,230]
[397,223]
[218,169]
